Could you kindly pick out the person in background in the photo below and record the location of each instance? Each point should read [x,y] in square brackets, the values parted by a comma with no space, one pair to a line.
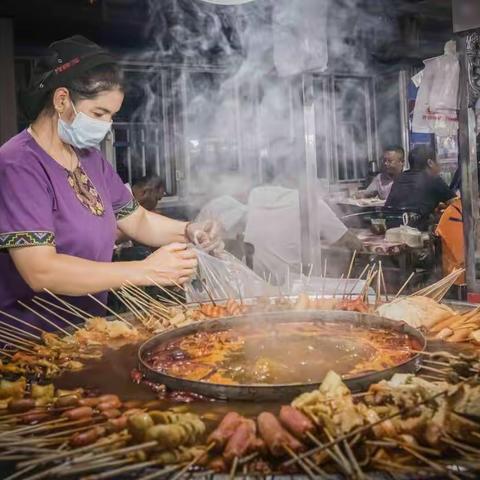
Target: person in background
[148,191]
[420,189]
[450,231]
[393,163]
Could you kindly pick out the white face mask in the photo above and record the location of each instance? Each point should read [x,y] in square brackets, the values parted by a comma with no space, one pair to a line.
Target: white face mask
[84,131]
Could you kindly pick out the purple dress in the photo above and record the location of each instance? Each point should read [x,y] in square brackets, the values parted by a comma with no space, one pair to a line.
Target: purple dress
[40,206]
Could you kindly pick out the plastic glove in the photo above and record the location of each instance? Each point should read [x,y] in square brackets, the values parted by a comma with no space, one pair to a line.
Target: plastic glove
[205,235]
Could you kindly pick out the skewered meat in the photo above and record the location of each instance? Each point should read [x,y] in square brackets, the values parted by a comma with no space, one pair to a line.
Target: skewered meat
[275,436]
[295,421]
[242,441]
[22,405]
[81,439]
[225,430]
[67,401]
[78,413]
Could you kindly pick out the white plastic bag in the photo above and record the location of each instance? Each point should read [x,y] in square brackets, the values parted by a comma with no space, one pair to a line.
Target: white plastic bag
[223,277]
[436,107]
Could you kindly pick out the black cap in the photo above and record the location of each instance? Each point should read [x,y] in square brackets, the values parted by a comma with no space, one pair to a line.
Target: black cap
[67,59]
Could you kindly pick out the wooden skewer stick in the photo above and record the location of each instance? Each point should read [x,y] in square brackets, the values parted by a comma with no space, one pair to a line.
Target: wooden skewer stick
[329,452]
[353,461]
[53,324]
[58,307]
[18,337]
[7,341]
[349,273]
[151,307]
[68,322]
[157,474]
[108,309]
[19,331]
[163,289]
[324,280]
[384,284]
[142,294]
[364,271]
[127,304]
[233,469]
[300,462]
[120,464]
[199,457]
[338,286]
[69,305]
[404,286]
[23,322]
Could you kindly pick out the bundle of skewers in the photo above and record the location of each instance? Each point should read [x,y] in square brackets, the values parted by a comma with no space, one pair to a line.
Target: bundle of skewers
[405,425]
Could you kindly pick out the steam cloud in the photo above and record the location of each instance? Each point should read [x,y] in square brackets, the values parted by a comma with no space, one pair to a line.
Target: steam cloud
[243,120]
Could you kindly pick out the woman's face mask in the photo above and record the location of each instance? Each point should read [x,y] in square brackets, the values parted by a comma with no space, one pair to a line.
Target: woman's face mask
[84,131]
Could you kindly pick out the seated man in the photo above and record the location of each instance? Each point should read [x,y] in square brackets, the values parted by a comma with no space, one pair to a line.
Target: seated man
[393,163]
[420,189]
[148,191]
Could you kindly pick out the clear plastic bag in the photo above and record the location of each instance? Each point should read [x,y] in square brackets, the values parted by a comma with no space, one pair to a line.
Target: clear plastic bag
[436,105]
[224,276]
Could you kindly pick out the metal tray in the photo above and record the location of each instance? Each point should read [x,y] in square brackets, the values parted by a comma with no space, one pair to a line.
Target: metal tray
[278,392]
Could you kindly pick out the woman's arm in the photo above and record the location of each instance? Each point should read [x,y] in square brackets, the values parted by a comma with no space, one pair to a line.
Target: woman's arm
[152,229]
[43,268]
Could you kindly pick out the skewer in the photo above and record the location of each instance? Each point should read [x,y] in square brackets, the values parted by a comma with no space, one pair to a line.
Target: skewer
[402,288]
[142,294]
[379,285]
[108,309]
[365,428]
[430,463]
[384,285]
[68,322]
[163,289]
[358,280]
[158,311]
[324,281]
[18,337]
[329,452]
[7,341]
[209,294]
[199,457]
[338,286]
[43,300]
[233,469]
[309,276]
[23,322]
[69,305]
[97,465]
[53,324]
[19,331]
[336,448]
[350,268]
[157,474]
[127,304]
[71,453]
[353,461]
[300,462]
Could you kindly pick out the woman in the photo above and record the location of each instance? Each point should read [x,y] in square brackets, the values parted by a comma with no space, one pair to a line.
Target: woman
[61,202]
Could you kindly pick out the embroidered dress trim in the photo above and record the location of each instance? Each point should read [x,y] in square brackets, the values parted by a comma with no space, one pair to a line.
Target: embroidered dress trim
[85,191]
[127,209]
[26,239]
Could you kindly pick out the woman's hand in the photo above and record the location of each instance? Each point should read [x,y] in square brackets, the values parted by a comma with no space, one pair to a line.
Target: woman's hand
[174,263]
[206,235]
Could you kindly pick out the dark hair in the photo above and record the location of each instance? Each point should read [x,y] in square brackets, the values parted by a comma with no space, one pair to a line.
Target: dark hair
[87,85]
[153,182]
[395,148]
[419,156]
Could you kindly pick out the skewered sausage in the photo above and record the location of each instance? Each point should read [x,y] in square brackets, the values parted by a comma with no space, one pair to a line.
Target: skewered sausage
[78,413]
[112,413]
[242,441]
[89,402]
[295,421]
[109,404]
[35,416]
[275,436]
[116,425]
[81,439]
[67,401]
[22,405]
[225,430]
[108,398]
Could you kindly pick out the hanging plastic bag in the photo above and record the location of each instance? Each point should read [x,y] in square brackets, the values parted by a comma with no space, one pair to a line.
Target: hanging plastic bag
[436,106]
[223,277]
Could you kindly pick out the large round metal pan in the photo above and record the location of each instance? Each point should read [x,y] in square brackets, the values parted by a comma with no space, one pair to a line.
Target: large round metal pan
[263,392]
